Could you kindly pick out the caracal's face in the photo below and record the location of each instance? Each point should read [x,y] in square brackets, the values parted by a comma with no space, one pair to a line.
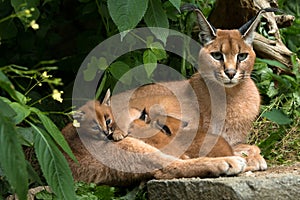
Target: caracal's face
[96,120]
[227,59]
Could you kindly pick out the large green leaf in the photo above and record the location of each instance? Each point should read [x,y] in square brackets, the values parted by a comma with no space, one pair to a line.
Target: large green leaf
[277,116]
[127,14]
[120,71]
[176,4]
[273,63]
[21,110]
[155,15]
[12,159]
[54,165]
[54,132]
[6,110]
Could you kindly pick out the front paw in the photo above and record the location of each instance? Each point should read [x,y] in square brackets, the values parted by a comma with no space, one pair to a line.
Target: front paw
[255,162]
[118,135]
[232,165]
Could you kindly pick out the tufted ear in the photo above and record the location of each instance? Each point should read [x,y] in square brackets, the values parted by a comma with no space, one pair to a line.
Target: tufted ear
[79,115]
[207,31]
[248,29]
[144,116]
[106,99]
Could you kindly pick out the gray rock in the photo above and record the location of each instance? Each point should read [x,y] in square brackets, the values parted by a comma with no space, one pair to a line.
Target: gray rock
[274,186]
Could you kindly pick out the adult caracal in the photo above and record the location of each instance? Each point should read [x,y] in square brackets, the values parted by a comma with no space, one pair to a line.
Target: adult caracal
[226,97]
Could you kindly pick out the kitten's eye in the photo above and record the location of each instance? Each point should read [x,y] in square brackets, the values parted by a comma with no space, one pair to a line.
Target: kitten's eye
[217,56]
[108,122]
[242,56]
[95,126]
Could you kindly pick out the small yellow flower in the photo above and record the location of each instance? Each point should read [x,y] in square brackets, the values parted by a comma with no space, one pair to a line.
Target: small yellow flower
[76,123]
[45,75]
[34,25]
[27,11]
[56,95]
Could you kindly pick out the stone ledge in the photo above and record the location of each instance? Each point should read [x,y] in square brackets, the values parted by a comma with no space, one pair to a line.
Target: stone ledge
[247,186]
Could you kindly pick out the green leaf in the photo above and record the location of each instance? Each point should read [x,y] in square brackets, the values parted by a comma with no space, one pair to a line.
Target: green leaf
[54,165]
[12,159]
[120,71]
[277,116]
[6,85]
[127,14]
[150,62]
[92,68]
[90,72]
[6,110]
[273,63]
[155,15]
[21,110]
[26,135]
[54,132]
[159,51]
[176,4]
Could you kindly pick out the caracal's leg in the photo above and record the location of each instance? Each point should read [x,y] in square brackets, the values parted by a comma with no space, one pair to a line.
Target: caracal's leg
[202,167]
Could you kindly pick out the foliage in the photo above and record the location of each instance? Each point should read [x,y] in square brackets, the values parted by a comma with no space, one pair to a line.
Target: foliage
[291,35]
[54,36]
[92,191]
[278,124]
[24,124]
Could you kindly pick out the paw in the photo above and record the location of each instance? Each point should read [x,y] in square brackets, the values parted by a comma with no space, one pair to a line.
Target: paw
[255,162]
[233,165]
[118,135]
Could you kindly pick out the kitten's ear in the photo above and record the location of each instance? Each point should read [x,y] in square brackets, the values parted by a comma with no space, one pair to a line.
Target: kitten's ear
[79,115]
[106,99]
[144,116]
[207,31]
[248,29]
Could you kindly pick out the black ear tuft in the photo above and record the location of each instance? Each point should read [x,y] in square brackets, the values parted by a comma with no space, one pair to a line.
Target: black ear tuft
[207,31]
[144,116]
[79,115]
[248,29]
[188,7]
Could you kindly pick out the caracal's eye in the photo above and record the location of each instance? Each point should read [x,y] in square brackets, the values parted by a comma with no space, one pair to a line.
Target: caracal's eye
[217,56]
[95,125]
[242,56]
[108,122]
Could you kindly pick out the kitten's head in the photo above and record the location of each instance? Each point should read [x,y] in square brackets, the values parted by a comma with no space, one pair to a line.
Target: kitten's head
[151,122]
[227,56]
[96,119]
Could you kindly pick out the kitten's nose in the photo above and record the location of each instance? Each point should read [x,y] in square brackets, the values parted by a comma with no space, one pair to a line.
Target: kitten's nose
[230,73]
